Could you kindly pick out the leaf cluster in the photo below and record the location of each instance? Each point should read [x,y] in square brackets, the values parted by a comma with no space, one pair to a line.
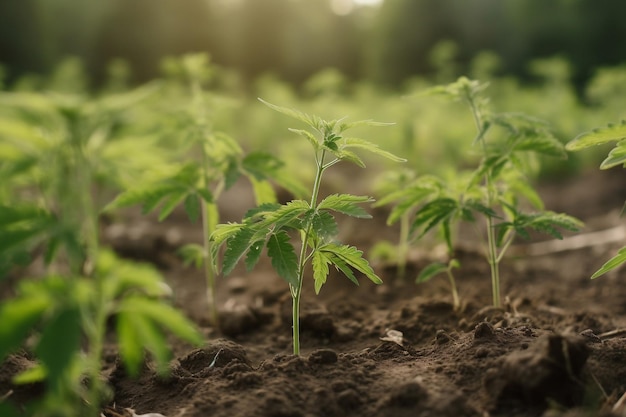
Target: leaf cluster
[270,225]
[51,311]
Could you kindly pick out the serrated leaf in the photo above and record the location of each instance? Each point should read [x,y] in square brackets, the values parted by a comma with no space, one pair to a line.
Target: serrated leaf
[285,215]
[320,269]
[283,256]
[354,258]
[346,204]
[343,267]
[544,145]
[236,247]
[611,264]
[599,136]
[370,147]
[254,253]
[324,224]
[313,121]
[433,213]
[617,156]
[350,157]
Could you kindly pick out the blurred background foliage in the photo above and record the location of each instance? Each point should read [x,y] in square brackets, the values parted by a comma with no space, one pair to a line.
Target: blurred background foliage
[387,42]
[559,60]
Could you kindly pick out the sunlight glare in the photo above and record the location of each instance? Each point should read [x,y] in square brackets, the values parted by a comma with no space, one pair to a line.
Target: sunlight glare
[345,7]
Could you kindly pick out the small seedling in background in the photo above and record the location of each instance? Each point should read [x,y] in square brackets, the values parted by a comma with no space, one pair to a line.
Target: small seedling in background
[617,156]
[50,208]
[198,183]
[494,190]
[269,225]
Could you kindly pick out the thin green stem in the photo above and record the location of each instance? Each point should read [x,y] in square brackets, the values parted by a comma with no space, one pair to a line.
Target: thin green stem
[492,248]
[296,290]
[403,246]
[455,294]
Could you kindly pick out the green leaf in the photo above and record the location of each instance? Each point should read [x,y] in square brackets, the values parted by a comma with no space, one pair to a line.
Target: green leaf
[324,224]
[320,269]
[313,121]
[354,258]
[348,156]
[150,196]
[545,145]
[192,207]
[431,271]
[612,263]
[599,136]
[254,254]
[236,247]
[18,317]
[285,215]
[283,256]
[433,213]
[192,253]
[261,165]
[263,191]
[346,204]
[617,156]
[131,346]
[32,375]
[370,147]
[172,201]
[60,343]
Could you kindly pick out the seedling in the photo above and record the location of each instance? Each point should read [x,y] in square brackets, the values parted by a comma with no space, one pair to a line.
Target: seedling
[198,183]
[617,156]
[50,208]
[494,190]
[313,221]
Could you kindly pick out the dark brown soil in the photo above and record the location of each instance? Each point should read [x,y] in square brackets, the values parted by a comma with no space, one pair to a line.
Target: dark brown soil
[557,347]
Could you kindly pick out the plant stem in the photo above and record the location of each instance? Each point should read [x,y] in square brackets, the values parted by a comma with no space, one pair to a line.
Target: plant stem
[403,246]
[209,271]
[296,291]
[492,249]
[455,294]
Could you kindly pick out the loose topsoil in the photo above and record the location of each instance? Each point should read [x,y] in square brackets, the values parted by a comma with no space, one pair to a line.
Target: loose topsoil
[557,347]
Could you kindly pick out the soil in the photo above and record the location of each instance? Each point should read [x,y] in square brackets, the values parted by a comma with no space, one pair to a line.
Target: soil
[556,348]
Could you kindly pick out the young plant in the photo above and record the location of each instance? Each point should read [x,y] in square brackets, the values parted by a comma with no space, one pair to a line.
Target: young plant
[214,162]
[617,156]
[508,145]
[269,225]
[49,209]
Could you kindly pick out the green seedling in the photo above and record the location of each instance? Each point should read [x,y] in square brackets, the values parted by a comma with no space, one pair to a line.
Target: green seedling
[437,268]
[198,183]
[57,311]
[59,150]
[313,221]
[617,156]
[508,145]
